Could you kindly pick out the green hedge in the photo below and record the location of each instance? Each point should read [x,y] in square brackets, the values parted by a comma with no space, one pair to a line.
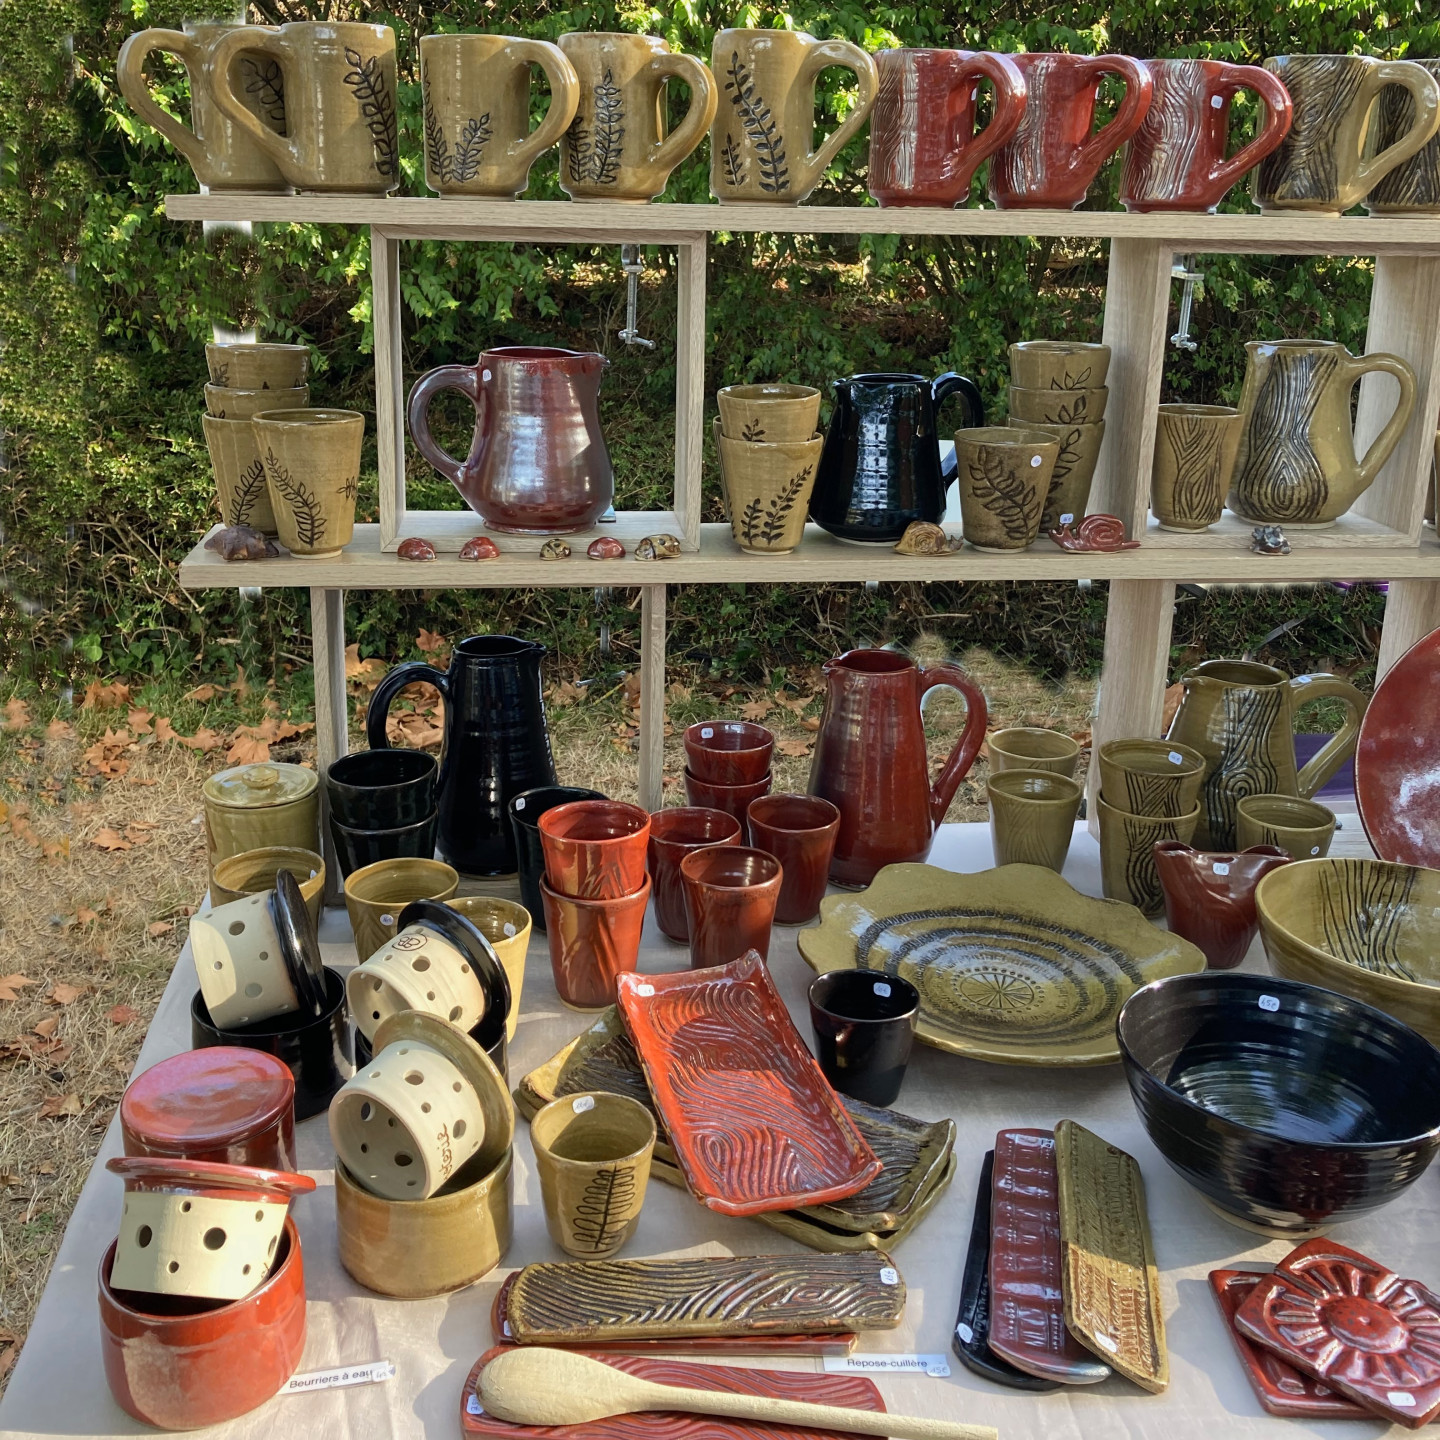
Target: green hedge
[105,306]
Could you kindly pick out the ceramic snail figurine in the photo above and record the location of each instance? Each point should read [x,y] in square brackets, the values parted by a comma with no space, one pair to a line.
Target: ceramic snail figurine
[416,549]
[240,542]
[607,547]
[554,550]
[1096,533]
[1269,540]
[658,547]
[923,538]
[482,547]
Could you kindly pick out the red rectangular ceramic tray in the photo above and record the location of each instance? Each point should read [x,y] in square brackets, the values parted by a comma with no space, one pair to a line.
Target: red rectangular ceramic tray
[752,1120]
[854,1391]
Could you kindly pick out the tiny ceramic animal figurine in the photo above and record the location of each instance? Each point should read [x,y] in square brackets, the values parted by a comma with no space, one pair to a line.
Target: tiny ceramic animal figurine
[482,547]
[658,547]
[1103,533]
[240,542]
[607,547]
[416,549]
[923,538]
[554,550]
[1269,540]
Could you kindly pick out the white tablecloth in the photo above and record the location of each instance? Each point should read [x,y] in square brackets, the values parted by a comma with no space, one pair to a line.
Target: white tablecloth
[58,1387]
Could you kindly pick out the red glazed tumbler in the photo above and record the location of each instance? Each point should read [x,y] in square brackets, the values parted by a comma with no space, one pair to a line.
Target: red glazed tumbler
[732,799]
[592,942]
[728,752]
[674,834]
[595,849]
[799,831]
[730,895]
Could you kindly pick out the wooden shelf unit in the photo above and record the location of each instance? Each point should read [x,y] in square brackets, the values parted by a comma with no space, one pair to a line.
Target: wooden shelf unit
[1381,539]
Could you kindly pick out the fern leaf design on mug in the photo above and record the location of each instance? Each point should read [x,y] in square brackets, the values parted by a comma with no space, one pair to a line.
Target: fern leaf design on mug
[367,79]
[248,490]
[604,1210]
[1005,493]
[760,126]
[437,147]
[470,147]
[609,132]
[733,159]
[265,84]
[309,515]
[766,524]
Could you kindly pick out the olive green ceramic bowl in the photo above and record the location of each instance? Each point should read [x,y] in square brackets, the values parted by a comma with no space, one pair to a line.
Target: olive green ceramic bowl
[1365,928]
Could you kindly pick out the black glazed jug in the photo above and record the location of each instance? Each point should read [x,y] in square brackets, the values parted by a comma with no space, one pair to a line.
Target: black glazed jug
[880,466]
[495,744]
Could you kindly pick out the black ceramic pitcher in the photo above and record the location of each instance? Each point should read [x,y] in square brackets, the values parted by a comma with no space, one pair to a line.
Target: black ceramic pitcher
[495,744]
[880,468]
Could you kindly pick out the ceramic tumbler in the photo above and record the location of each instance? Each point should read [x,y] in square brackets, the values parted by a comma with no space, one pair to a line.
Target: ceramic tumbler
[239,474]
[730,896]
[312,468]
[924,148]
[674,833]
[253,871]
[341,98]
[507,927]
[592,942]
[1030,747]
[593,1155]
[356,848]
[776,413]
[1074,472]
[1321,165]
[1004,480]
[222,156]
[864,1026]
[251,806]
[1151,777]
[1075,406]
[1032,817]
[799,831]
[1195,449]
[1413,186]
[524,812]
[1302,828]
[728,752]
[732,799]
[1210,896]
[762,141]
[257,365]
[1176,159]
[1059,365]
[476,94]
[595,849]
[227,403]
[1055,154]
[1127,858]
[382,789]
[616,147]
[376,894]
[767,489]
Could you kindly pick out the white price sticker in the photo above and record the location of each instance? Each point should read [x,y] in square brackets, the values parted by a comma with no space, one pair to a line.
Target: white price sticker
[706,732]
[582,1103]
[1305,680]
[889,1275]
[1035,461]
[1106,1343]
[519,802]
[644,990]
[1269,1002]
[965,1333]
[936,1365]
[1401,1398]
[1068,519]
[881,988]
[340,1378]
[1176,758]
[472,1404]
[1221,868]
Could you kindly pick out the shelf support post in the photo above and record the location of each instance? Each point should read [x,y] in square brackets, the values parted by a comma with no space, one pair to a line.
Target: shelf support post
[689,386]
[332,712]
[1412,611]
[652,697]
[385,311]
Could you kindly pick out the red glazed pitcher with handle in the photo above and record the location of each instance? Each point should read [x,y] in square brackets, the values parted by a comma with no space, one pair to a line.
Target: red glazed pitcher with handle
[870,759]
[538,463]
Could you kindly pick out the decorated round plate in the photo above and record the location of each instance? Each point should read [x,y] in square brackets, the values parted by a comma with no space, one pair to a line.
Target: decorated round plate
[1397,760]
[1013,965]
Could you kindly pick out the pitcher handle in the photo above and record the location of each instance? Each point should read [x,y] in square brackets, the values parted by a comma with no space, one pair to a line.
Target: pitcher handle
[130,72]
[1382,362]
[951,383]
[1129,114]
[465,379]
[1426,95]
[972,737]
[821,56]
[279,148]
[1341,746]
[564,97]
[1279,111]
[411,673]
[704,99]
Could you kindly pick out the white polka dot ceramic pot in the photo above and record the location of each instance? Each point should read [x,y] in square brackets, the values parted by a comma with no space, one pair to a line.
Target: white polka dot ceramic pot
[258,957]
[411,1118]
[439,963]
[199,1229]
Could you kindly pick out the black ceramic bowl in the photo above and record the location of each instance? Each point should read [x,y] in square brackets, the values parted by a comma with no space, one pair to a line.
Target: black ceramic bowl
[1287,1106]
[382,789]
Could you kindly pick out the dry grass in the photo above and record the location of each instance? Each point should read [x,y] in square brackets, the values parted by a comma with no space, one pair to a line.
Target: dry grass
[110,923]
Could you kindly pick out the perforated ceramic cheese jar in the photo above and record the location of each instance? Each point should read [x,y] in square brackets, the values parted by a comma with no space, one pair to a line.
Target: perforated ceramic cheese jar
[189,1227]
[251,807]
[418,1111]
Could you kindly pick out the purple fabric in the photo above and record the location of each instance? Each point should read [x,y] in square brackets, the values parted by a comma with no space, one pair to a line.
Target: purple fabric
[1341,785]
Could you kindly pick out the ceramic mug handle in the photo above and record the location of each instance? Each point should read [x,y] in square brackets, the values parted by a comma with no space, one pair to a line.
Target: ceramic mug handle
[950,384]
[1279,111]
[1426,95]
[1008,82]
[1341,746]
[1383,363]
[130,72]
[564,97]
[1128,117]
[967,747]
[464,378]
[704,99]
[822,55]
[279,148]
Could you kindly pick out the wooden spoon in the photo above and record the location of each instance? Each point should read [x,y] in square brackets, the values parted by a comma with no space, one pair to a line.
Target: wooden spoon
[536,1385]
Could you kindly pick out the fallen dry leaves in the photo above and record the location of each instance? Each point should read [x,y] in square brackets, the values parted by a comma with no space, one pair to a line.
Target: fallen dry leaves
[11,985]
[110,839]
[156,928]
[105,697]
[122,1015]
[794,747]
[56,1107]
[17,714]
[757,709]
[62,993]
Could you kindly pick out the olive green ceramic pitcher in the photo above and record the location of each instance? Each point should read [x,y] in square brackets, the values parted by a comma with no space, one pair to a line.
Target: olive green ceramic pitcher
[1240,715]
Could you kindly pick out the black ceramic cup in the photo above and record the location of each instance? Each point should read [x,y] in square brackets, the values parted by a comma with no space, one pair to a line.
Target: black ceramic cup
[382,789]
[319,1051]
[525,812]
[356,848]
[864,1026]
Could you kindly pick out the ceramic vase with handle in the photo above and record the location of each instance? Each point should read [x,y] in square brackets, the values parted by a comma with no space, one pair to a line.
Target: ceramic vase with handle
[538,463]
[762,137]
[495,746]
[870,759]
[1210,896]
[1296,464]
[1240,715]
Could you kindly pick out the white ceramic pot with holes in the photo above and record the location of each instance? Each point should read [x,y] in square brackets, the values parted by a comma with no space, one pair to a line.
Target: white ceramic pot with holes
[199,1229]
[423,1106]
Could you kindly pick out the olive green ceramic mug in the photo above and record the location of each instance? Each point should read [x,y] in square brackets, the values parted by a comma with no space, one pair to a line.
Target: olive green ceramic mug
[1195,449]
[1004,479]
[1151,777]
[1127,859]
[1032,817]
[1302,828]
[1031,747]
[312,469]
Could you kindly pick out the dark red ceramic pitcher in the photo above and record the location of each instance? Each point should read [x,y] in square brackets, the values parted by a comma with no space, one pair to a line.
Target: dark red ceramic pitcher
[870,759]
[538,463]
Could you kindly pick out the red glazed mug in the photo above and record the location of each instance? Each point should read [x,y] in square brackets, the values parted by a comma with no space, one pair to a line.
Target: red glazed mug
[924,148]
[592,942]
[595,849]
[730,895]
[1053,156]
[728,752]
[1176,159]
[799,831]
[732,799]
[674,834]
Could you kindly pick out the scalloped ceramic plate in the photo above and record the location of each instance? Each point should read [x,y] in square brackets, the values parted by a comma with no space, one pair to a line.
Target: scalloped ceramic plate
[1013,965]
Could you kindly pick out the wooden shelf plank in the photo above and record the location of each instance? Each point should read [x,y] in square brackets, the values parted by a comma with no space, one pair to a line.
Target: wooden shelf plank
[820,559]
[414,217]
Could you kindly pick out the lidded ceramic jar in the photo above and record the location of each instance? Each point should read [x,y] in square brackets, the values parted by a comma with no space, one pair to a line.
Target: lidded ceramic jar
[422,1107]
[229,1106]
[251,807]
[191,1227]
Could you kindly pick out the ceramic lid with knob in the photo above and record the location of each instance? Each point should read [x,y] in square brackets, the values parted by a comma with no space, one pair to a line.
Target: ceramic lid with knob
[253,787]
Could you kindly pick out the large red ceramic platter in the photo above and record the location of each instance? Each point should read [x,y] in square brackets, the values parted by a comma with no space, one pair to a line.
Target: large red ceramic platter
[1397,762]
